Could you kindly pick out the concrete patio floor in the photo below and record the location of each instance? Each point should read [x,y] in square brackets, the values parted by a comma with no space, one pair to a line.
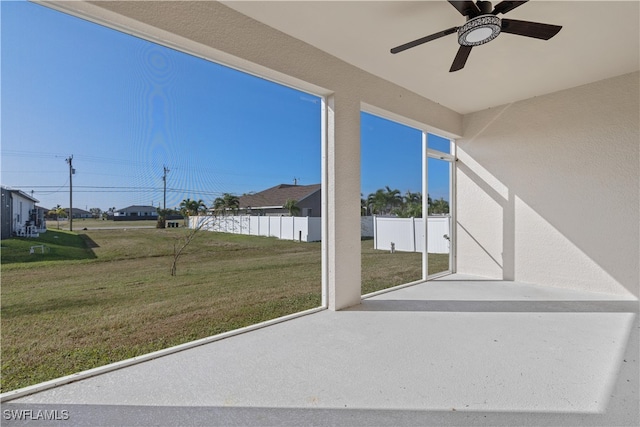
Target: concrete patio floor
[454,351]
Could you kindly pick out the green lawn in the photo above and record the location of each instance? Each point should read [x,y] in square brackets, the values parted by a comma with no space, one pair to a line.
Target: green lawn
[99,296]
[382,270]
[90,223]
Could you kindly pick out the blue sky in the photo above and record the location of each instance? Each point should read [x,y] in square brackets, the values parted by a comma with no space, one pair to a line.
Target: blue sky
[125,108]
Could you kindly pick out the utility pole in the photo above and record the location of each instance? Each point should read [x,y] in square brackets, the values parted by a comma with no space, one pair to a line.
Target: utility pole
[71,172]
[164,180]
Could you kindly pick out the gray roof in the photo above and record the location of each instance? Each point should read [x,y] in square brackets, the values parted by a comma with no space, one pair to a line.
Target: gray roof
[278,195]
[22,194]
[138,208]
[78,211]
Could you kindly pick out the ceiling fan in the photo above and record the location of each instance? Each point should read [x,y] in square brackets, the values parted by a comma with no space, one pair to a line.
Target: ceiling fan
[482,26]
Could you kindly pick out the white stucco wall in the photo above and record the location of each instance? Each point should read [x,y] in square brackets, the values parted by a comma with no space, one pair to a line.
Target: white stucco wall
[548,189]
[21,208]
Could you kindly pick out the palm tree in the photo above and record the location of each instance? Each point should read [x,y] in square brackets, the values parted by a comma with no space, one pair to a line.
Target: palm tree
[60,212]
[394,199]
[377,202]
[218,204]
[190,207]
[292,207]
[231,202]
[411,205]
[228,201]
[384,201]
[202,208]
[411,198]
[440,206]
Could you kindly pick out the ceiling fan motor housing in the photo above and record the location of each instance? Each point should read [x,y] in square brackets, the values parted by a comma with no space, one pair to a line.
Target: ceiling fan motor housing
[479,30]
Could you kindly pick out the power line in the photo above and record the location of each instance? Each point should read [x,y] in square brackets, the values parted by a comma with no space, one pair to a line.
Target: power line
[89,186]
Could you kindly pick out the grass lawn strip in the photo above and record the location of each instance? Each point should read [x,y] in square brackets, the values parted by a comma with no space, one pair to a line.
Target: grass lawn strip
[100,296]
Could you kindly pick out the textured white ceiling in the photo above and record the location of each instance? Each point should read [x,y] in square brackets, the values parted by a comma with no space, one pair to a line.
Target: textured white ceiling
[599,39]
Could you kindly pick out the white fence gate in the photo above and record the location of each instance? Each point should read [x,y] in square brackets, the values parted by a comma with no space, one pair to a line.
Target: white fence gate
[407,234]
[303,229]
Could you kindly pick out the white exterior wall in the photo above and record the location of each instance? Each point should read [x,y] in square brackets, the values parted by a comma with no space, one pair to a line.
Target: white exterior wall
[548,189]
[21,208]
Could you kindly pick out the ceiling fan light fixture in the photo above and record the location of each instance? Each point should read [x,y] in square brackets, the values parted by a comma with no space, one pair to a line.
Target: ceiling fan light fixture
[479,30]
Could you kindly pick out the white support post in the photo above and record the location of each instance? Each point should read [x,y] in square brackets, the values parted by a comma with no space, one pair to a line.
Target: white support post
[375,232]
[425,206]
[342,203]
[413,233]
[453,206]
[324,206]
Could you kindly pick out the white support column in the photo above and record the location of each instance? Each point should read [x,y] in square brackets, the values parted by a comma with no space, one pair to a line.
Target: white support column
[425,206]
[453,206]
[342,188]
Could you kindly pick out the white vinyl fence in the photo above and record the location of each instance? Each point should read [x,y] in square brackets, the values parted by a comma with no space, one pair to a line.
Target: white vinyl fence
[407,234]
[303,229]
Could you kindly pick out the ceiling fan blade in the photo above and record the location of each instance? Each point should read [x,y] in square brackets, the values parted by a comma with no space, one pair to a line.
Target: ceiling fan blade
[422,40]
[466,8]
[507,6]
[460,59]
[530,29]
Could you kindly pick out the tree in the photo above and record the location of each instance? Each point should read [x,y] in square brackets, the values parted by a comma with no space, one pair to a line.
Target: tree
[412,198]
[59,212]
[394,199]
[190,207]
[231,202]
[292,207]
[390,201]
[383,201]
[96,212]
[181,242]
[218,204]
[162,217]
[377,202]
[228,202]
[411,206]
[440,206]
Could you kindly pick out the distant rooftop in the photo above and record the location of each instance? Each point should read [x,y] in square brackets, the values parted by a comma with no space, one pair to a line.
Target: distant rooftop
[21,193]
[278,195]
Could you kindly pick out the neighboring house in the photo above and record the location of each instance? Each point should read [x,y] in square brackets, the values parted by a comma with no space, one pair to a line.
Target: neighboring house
[272,200]
[41,216]
[135,212]
[20,215]
[79,213]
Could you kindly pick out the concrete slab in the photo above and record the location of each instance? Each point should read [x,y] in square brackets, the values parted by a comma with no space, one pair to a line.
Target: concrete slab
[450,352]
